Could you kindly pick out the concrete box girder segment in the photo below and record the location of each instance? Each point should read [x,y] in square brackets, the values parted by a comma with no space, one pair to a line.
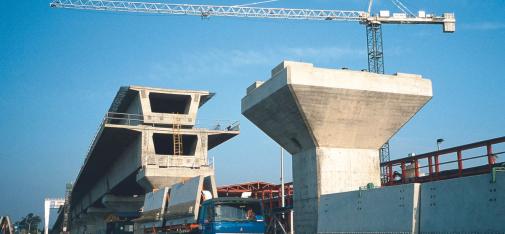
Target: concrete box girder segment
[134,149]
[159,106]
[333,122]
[114,150]
[118,203]
[121,151]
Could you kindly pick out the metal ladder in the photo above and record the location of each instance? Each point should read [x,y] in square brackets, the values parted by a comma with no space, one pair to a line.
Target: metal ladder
[177,139]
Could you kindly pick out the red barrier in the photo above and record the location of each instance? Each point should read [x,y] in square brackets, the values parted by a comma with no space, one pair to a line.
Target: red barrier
[410,166]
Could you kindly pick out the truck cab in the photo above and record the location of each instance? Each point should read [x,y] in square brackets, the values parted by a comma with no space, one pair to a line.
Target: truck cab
[231,215]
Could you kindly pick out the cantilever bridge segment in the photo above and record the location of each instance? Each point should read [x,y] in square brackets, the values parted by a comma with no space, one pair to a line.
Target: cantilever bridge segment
[148,139]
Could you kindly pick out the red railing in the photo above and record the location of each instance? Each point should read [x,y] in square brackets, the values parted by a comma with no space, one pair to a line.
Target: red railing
[271,198]
[408,170]
[269,194]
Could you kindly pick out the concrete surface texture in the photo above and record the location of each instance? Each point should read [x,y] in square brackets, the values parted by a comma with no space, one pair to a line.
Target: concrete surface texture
[153,210]
[391,209]
[333,122]
[134,152]
[472,204]
[182,202]
[160,106]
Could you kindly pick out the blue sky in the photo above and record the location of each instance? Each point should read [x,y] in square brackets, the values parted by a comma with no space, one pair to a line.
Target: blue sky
[60,69]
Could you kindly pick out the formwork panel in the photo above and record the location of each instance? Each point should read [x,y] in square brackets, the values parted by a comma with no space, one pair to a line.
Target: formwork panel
[184,201]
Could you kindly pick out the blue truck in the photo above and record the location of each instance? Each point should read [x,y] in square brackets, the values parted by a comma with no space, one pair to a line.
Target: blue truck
[231,215]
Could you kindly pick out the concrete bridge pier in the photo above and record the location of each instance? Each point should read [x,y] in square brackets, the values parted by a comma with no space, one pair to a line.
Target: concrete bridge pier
[333,122]
[91,221]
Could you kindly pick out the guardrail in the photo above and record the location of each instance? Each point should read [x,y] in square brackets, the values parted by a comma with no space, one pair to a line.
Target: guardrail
[138,119]
[179,161]
[408,170]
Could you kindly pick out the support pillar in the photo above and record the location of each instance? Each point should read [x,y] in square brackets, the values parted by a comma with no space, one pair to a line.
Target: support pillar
[333,122]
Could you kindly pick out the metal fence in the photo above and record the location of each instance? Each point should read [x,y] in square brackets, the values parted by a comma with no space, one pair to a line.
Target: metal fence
[408,170]
[131,119]
[179,161]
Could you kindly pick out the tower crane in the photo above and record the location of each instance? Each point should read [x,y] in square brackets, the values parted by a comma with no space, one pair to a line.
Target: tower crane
[373,22]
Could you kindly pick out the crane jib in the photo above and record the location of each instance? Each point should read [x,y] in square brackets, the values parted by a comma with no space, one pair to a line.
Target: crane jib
[447,19]
[211,10]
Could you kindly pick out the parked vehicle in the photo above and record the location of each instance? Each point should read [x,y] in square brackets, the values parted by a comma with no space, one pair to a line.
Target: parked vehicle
[231,215]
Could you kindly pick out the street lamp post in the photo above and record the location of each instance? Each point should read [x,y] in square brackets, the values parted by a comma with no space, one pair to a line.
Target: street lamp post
[282,178]
[439,142]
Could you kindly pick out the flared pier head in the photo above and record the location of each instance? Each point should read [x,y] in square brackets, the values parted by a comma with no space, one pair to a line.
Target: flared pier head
[333,122]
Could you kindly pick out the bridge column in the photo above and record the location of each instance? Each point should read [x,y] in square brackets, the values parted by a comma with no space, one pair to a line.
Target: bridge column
[46,216]
[333,122]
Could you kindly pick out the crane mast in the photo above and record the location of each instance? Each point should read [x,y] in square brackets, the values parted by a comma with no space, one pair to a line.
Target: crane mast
[373,23]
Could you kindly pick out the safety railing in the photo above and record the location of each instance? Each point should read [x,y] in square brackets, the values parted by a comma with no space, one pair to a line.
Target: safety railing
[91,144]
[270,194]
[123,118]
[131,119]
[175,161]
[444,164]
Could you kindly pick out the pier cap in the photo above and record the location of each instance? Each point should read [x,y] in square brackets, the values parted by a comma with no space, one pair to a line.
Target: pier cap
[302,106]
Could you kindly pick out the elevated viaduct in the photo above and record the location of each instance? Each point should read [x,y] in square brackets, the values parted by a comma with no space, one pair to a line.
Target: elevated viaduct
[148,139]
